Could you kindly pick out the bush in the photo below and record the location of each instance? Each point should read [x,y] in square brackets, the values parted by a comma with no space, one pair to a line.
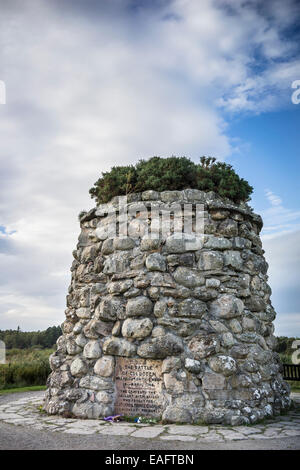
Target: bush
[284,348]
[173,173]
[25,368]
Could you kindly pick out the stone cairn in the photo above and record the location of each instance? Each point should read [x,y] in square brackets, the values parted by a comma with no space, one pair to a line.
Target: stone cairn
[175,324]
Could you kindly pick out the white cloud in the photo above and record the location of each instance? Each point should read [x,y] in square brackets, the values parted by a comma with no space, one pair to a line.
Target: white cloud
[283,255]
[102,84]
[278,219]
[274,200]
[287,324]
[281,242]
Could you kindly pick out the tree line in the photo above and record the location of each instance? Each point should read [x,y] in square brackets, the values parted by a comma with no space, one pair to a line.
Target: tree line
[17,339]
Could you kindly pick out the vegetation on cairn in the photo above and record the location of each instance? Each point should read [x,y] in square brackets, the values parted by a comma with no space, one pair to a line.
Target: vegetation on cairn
[173,173]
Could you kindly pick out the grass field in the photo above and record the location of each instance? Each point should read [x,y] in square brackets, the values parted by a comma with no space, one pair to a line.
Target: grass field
[295,386]
[25,368]
[34,388]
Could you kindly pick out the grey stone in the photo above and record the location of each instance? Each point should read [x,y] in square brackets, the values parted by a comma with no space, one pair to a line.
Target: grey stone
[55,360]
[240,243]
[205,294]
[257,304]
[217,243]
[83,313]
[105,366]
[116,263]
[150,195]
[194,195]
[160,308]
[233,259]
[139,328]
[191,308]
[123,243]
[118,347]
[218,326]
[78,367]
[81,340]
[210,260]
[158,331]
[214,283]
[119,287]
[139,306]
[239,351]
[203,346]
[73,348]
[212,381]
[92,382]
[92,350]
[227,306]
[108,246]
[228,340]
[188,277]
[77,328]
[104,397]
[155,262]
[174,383]
[228,228]
[183,259]
[235,326]
[223,364]
[161,347]
[179,243]
[148,244]
[96,328]
[248,324]
[110,309]
[176,414]
[241,381]
[171,363]
[192,365]
[219,214]
[171,196]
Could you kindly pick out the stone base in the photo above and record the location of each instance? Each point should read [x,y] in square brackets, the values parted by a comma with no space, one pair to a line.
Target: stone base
[173,327]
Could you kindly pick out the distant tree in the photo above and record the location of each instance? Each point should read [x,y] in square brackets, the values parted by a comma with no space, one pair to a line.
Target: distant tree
[30,339]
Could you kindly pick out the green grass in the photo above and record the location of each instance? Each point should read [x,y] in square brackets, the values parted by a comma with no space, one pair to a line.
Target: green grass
[295,385]
[25,368]
[34,388]
[27,355]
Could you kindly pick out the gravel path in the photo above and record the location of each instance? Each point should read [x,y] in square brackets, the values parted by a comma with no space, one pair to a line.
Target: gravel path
[23,426]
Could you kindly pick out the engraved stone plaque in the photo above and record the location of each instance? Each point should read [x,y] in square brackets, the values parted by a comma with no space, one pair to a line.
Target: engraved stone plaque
[139,387]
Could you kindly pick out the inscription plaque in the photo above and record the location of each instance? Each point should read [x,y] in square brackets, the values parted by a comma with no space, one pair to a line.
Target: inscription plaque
[139,387]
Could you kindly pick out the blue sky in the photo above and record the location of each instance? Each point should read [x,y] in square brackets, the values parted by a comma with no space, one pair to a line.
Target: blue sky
[91,84]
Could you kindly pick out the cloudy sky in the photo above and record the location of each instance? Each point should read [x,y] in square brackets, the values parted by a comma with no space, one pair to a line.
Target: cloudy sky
[91,84]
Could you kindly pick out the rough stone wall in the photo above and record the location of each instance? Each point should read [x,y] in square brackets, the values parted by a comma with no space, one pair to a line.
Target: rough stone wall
[202,309]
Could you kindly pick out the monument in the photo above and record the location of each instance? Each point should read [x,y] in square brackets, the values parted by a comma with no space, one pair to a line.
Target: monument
[169,314]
